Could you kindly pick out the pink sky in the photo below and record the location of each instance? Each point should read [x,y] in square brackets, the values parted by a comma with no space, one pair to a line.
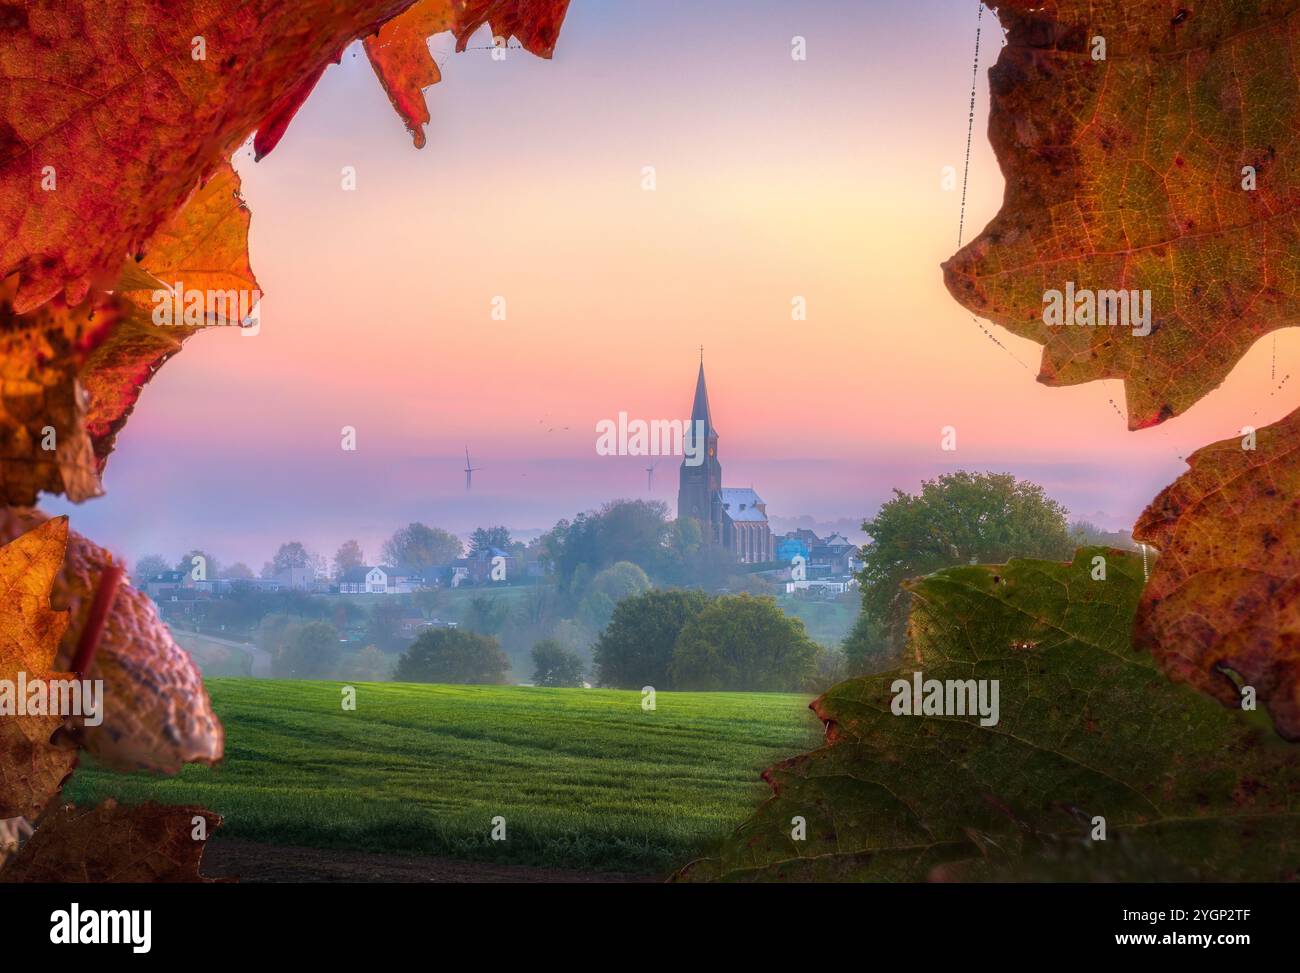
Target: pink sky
[775,179]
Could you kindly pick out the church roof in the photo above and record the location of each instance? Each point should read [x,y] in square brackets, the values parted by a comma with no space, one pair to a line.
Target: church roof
[700,407]
[741,504]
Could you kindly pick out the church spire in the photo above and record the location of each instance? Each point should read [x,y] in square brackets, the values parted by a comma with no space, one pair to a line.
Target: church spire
[700,407]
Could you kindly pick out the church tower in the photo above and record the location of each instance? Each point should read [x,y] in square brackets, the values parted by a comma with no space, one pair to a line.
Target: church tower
[699,486]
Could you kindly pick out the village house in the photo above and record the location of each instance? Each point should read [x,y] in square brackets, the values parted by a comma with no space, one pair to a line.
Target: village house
[491,564]
[380,580]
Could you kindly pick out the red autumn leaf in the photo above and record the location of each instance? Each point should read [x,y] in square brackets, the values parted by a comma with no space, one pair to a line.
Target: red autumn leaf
[535,22]
[400,56]
[399,53]
[1222,606]
[69,377]
[112,843]
[110,118]
[202,249]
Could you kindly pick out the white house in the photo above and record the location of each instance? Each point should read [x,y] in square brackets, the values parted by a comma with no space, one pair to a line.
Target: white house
[379,580]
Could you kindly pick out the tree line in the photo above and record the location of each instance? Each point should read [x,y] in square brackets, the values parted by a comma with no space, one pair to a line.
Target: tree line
[415,547]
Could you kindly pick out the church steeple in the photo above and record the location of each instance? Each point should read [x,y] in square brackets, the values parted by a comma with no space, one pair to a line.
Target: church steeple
[699,484]
[700,408]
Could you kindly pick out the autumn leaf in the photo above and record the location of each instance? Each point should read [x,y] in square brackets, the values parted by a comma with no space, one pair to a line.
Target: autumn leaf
[399,53]
[114,843]
[157,715]
[114,111]
[45,444]
[70,377]
[536,23]
[203,248]
[32,768]
[1087,728]
[1135,173]
[1222,611]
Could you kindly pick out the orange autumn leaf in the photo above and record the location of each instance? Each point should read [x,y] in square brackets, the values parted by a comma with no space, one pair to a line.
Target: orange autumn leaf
[100,156]
[157,715]
[70,377]
[1222,607]
[45,444]
[113,843]
[203,250]
[536,23]
[1171,166]
[114,110]
[399,53]
[32,768]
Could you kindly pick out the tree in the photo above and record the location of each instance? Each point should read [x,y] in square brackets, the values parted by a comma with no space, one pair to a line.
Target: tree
[318,564]
[686,537]
[621,580]
[147,567]
[485,538]
[383,628]
[832,668]
[607,589]
[743,643]
[290,555]
[621,530]
[958,518]
[309,651]
[487,615]
[348,556]
[554,665]
[239,571]
[636,648]
[419,546]
[866,648]
[273,631]
[187,565]
[452,655]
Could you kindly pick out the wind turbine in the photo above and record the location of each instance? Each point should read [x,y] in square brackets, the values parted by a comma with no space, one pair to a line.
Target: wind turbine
[470,468]
[650,477]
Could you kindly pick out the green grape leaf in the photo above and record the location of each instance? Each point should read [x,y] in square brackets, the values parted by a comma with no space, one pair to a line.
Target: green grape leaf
[1087,728]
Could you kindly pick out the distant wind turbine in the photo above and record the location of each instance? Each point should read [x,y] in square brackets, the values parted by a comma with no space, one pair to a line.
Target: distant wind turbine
[650,477]
[470,469]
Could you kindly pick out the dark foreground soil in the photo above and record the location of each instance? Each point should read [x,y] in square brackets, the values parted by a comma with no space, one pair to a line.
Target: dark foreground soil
[252,861]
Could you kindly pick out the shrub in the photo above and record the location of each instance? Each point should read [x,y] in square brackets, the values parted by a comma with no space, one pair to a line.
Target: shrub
[453,656]
[554,665]
[309,651]
[743,643]
[636,648]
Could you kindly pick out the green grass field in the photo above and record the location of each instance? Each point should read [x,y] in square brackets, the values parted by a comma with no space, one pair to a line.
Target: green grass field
[584,778]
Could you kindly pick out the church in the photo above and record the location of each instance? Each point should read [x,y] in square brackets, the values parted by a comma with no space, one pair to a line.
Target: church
[732,517]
